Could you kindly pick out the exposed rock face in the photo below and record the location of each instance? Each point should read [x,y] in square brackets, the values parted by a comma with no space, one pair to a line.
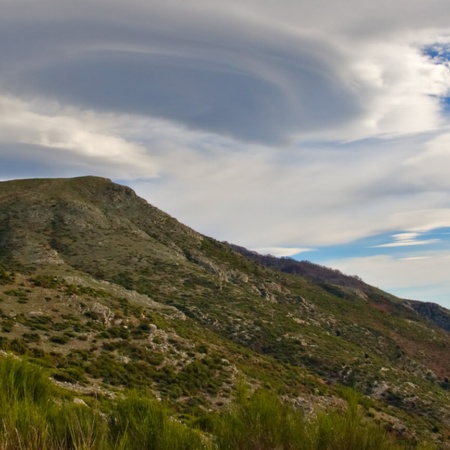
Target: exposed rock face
[103,312]
[435,313]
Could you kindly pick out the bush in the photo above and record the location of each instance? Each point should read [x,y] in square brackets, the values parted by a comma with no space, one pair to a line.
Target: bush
[60,339]
[23,395]
[260,422]
[22,381]
[6,277]
[348,430]
[47,281]
[140,423]
[263,422]
[30,419]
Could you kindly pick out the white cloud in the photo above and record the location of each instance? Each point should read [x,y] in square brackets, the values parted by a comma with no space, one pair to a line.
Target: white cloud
[260,74]
[405,236]
[407,243]
[70,137]
[407,240]
[414,258]
[298,197]
[428,168]
[281,251]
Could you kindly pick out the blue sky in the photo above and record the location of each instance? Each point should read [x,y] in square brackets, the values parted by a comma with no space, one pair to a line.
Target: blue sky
[308,129]
[401,245]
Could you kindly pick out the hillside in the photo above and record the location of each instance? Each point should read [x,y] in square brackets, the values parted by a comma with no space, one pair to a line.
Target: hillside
[333,279]
[108,292]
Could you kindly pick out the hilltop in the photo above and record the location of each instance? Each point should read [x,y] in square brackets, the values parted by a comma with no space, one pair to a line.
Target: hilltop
[108,293]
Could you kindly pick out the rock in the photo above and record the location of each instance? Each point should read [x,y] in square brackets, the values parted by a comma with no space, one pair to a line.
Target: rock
[104,312]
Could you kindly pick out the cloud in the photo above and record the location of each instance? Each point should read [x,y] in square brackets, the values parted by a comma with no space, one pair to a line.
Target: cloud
[407,240]
[407,243]
[225,69]
[281,251]
[44,142]
[301,197]
[405,236]
[427,168]
[414,258]
[246,85]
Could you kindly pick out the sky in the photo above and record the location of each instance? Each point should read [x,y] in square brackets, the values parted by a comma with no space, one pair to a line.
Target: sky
[315,130]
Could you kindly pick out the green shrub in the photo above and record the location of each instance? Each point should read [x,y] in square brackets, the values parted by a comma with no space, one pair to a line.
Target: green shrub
[70,375]
[30,418]
[77,427]
[21,380]
[7,325]
[139,423]
[60,339]
[259,422]
[31,337]
[6,277]
[348,430]
[263,422]
[18,346]
[47,281]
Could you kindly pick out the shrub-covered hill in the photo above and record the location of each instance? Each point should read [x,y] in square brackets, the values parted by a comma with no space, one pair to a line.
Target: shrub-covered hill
[109,293]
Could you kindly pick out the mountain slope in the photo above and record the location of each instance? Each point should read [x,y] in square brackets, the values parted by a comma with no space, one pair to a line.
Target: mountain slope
[334,280]
[101,275]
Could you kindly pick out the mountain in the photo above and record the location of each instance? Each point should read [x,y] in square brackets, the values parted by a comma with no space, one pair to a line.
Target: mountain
[108,292]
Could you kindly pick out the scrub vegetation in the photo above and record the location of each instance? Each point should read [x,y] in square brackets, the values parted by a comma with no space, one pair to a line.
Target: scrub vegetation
[35,414]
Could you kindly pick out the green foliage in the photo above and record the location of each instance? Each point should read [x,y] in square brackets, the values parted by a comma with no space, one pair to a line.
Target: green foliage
[70,375]
[60,339]
[47,281]
[24,395]
[205,375]
[6,277]
[35,414]
[348,430]
[18,346]
[125,279]
[77,427]
[44,323]
[258,422]
[262,422]
[22,381]
[20,294]
[139,423]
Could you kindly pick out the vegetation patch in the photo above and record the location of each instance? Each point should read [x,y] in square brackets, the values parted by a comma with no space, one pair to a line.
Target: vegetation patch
[35,414]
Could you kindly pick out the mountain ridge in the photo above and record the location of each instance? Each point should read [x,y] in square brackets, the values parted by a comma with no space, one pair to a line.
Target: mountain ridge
[437,314]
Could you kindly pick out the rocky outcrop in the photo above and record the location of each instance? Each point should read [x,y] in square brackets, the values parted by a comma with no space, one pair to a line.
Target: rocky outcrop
[433,312]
